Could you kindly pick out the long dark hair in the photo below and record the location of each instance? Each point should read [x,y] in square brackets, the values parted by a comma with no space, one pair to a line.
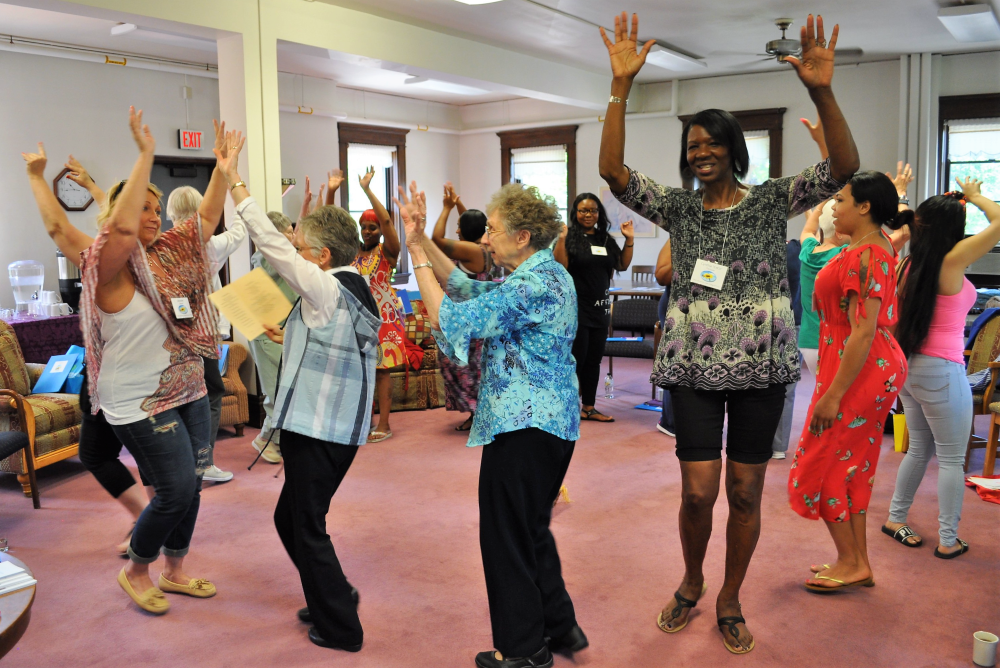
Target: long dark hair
[939,224]
[725,129]
[576,238]
[472,223]
[878,190]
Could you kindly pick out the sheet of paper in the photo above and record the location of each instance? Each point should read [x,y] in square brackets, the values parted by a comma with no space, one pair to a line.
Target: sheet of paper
[988,483]
[251,302]
[7,568]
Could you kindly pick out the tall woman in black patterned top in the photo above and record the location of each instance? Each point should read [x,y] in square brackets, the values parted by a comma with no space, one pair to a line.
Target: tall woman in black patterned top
[591,255]
[728,341]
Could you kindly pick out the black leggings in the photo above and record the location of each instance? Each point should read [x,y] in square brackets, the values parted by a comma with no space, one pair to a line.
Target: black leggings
[588,350]
[100,448]
[753,418]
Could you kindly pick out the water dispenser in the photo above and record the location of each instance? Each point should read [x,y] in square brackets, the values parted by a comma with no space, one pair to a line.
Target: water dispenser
[26,279]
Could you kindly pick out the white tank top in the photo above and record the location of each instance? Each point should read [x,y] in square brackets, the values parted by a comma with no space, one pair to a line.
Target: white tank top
[134,359]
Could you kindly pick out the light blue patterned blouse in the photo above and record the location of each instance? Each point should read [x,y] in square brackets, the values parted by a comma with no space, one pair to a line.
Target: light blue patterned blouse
[528,324]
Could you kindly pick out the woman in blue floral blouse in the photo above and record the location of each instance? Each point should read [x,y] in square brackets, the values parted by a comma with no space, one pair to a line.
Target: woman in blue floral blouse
[728,343]
[527,416]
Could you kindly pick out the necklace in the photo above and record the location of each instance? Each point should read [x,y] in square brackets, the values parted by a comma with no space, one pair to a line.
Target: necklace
[863,238]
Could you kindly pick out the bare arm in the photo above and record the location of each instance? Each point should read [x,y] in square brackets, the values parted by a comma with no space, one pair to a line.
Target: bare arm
[67,238]
[627,248]
[815,70]
[559,250]
[422,250]
[334,179]
[306,199]
[811,228]
[664,271]
[123,223]
[468,253]
[214,202]
[625,65]
[390,239]
[971,249]
[816,132]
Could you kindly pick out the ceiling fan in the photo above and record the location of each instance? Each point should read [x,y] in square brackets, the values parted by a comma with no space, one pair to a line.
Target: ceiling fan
[780,49]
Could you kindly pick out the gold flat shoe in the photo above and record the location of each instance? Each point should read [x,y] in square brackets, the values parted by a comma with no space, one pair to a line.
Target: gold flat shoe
[152,600]
[196,587]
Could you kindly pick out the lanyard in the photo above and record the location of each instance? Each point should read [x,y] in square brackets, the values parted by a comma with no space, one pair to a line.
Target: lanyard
[725,238]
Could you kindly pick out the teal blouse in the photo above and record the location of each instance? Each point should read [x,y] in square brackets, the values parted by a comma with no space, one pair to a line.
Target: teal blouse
[811,264]
[528,324]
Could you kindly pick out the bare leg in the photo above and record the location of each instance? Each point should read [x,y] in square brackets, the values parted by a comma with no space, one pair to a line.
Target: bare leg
[699,491]
[852,552]
[173,570]
[383,385]
[744,487]
[138,577]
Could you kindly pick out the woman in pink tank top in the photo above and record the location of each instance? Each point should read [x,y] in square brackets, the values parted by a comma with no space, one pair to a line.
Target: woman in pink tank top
[936,396]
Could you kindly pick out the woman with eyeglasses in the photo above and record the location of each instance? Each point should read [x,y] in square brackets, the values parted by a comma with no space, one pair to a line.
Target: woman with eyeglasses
[591,255]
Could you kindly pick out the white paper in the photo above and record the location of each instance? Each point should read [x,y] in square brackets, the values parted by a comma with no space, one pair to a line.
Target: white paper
[988,483]
[8,568]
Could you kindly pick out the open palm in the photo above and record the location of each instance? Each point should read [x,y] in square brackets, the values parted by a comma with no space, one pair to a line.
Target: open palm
[625,61]
[815,66]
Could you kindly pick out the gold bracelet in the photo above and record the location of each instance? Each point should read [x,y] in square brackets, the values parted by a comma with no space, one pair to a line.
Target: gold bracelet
[237,185]
[617,100]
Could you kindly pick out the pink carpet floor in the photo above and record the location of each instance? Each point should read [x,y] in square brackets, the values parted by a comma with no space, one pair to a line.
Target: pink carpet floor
[405,525]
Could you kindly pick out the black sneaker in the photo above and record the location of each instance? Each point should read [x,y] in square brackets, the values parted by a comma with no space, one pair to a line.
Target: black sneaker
[306,618]
[540,659]
[574,641]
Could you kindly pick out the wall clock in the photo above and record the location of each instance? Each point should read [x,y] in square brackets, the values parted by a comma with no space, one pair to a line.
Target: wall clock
[71,195]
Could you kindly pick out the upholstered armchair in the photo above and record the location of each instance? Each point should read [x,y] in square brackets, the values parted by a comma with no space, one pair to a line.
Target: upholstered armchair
[51,420]
[235,406]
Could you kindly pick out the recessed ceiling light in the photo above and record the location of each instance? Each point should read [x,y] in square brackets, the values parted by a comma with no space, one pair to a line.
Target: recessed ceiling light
[443,86]
[476,2]
[971,23]
[669,59]
[123,28]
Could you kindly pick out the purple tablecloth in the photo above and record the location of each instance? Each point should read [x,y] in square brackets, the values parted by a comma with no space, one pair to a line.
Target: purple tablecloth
[41,338]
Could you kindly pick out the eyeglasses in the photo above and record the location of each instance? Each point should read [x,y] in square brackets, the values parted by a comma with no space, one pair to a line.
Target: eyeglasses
[587,212]
[491,232]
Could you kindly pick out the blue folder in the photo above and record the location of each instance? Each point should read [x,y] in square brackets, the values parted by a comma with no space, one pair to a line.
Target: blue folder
[56,372]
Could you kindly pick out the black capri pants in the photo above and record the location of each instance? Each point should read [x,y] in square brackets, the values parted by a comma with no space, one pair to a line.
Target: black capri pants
[753,419]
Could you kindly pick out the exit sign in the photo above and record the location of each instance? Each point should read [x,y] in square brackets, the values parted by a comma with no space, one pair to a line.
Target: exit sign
[189,140]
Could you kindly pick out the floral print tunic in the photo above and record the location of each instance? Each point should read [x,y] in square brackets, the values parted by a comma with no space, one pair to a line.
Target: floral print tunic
[376,270]
[742,336]
[834,471]
[528,324]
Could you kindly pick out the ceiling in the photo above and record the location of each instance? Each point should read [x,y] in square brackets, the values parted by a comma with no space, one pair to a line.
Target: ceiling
[725,34]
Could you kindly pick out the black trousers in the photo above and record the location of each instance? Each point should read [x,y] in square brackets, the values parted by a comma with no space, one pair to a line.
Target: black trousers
[519,480]
[313,472]
[588,350]
[216,390]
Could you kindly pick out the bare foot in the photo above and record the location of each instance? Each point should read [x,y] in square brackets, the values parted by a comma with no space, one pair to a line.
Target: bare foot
[675,615]
[744,639]
[843,572]
[957,547]
[909,540]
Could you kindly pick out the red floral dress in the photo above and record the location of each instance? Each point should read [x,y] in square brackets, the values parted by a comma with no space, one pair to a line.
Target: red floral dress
[376,270]
[834,471]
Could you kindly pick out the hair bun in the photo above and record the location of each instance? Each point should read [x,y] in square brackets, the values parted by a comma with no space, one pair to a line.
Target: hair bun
[904,217]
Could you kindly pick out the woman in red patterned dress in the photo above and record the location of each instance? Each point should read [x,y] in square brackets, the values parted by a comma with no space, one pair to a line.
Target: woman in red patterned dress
[860,371]
[375,262]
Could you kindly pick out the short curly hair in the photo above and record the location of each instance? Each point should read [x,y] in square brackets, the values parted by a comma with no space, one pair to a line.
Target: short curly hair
[525,208]
[333,228]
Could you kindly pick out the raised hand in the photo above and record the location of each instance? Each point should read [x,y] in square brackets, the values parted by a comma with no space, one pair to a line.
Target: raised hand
[815,131]
[563,233]
[77,173]
[413,211]
[334,178]
[319,197]
[450,198]
[904,175]
[307,195]
[220,137]
[229,164]
[970,186]
[628,230]
[815,66]
[625,61]
[140,133]
[36,162]
[366,178]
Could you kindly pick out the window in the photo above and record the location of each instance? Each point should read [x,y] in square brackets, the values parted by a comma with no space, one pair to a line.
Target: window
[762,129]
[545,168]
[544,158]
[970,146]
[385,149]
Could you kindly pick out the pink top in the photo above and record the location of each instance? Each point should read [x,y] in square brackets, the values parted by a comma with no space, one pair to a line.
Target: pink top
[946,336]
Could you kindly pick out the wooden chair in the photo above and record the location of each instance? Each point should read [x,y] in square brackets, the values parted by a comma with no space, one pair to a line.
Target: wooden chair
[235,403]
[984,349]
[991,441]
[643,273]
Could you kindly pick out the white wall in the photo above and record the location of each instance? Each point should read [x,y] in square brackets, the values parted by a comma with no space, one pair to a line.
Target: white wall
[80,108]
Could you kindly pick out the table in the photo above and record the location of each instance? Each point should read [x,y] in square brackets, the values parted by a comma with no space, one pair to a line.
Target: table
[41,338]
[15,610]
[651,290]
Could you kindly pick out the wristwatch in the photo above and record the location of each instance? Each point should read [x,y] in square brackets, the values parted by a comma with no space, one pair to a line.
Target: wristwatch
[904,200]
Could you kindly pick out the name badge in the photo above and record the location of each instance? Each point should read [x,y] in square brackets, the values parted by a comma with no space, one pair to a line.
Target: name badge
[182,308]
[598,250]
[709,274]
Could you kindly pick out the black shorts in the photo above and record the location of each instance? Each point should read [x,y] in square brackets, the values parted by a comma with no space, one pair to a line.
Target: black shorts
[753,419]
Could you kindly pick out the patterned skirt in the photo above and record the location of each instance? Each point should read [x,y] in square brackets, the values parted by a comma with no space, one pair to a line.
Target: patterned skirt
[461,383]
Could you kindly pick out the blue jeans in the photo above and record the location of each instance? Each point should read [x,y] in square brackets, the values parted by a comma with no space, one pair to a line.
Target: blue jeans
[169,447]
[937,401]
